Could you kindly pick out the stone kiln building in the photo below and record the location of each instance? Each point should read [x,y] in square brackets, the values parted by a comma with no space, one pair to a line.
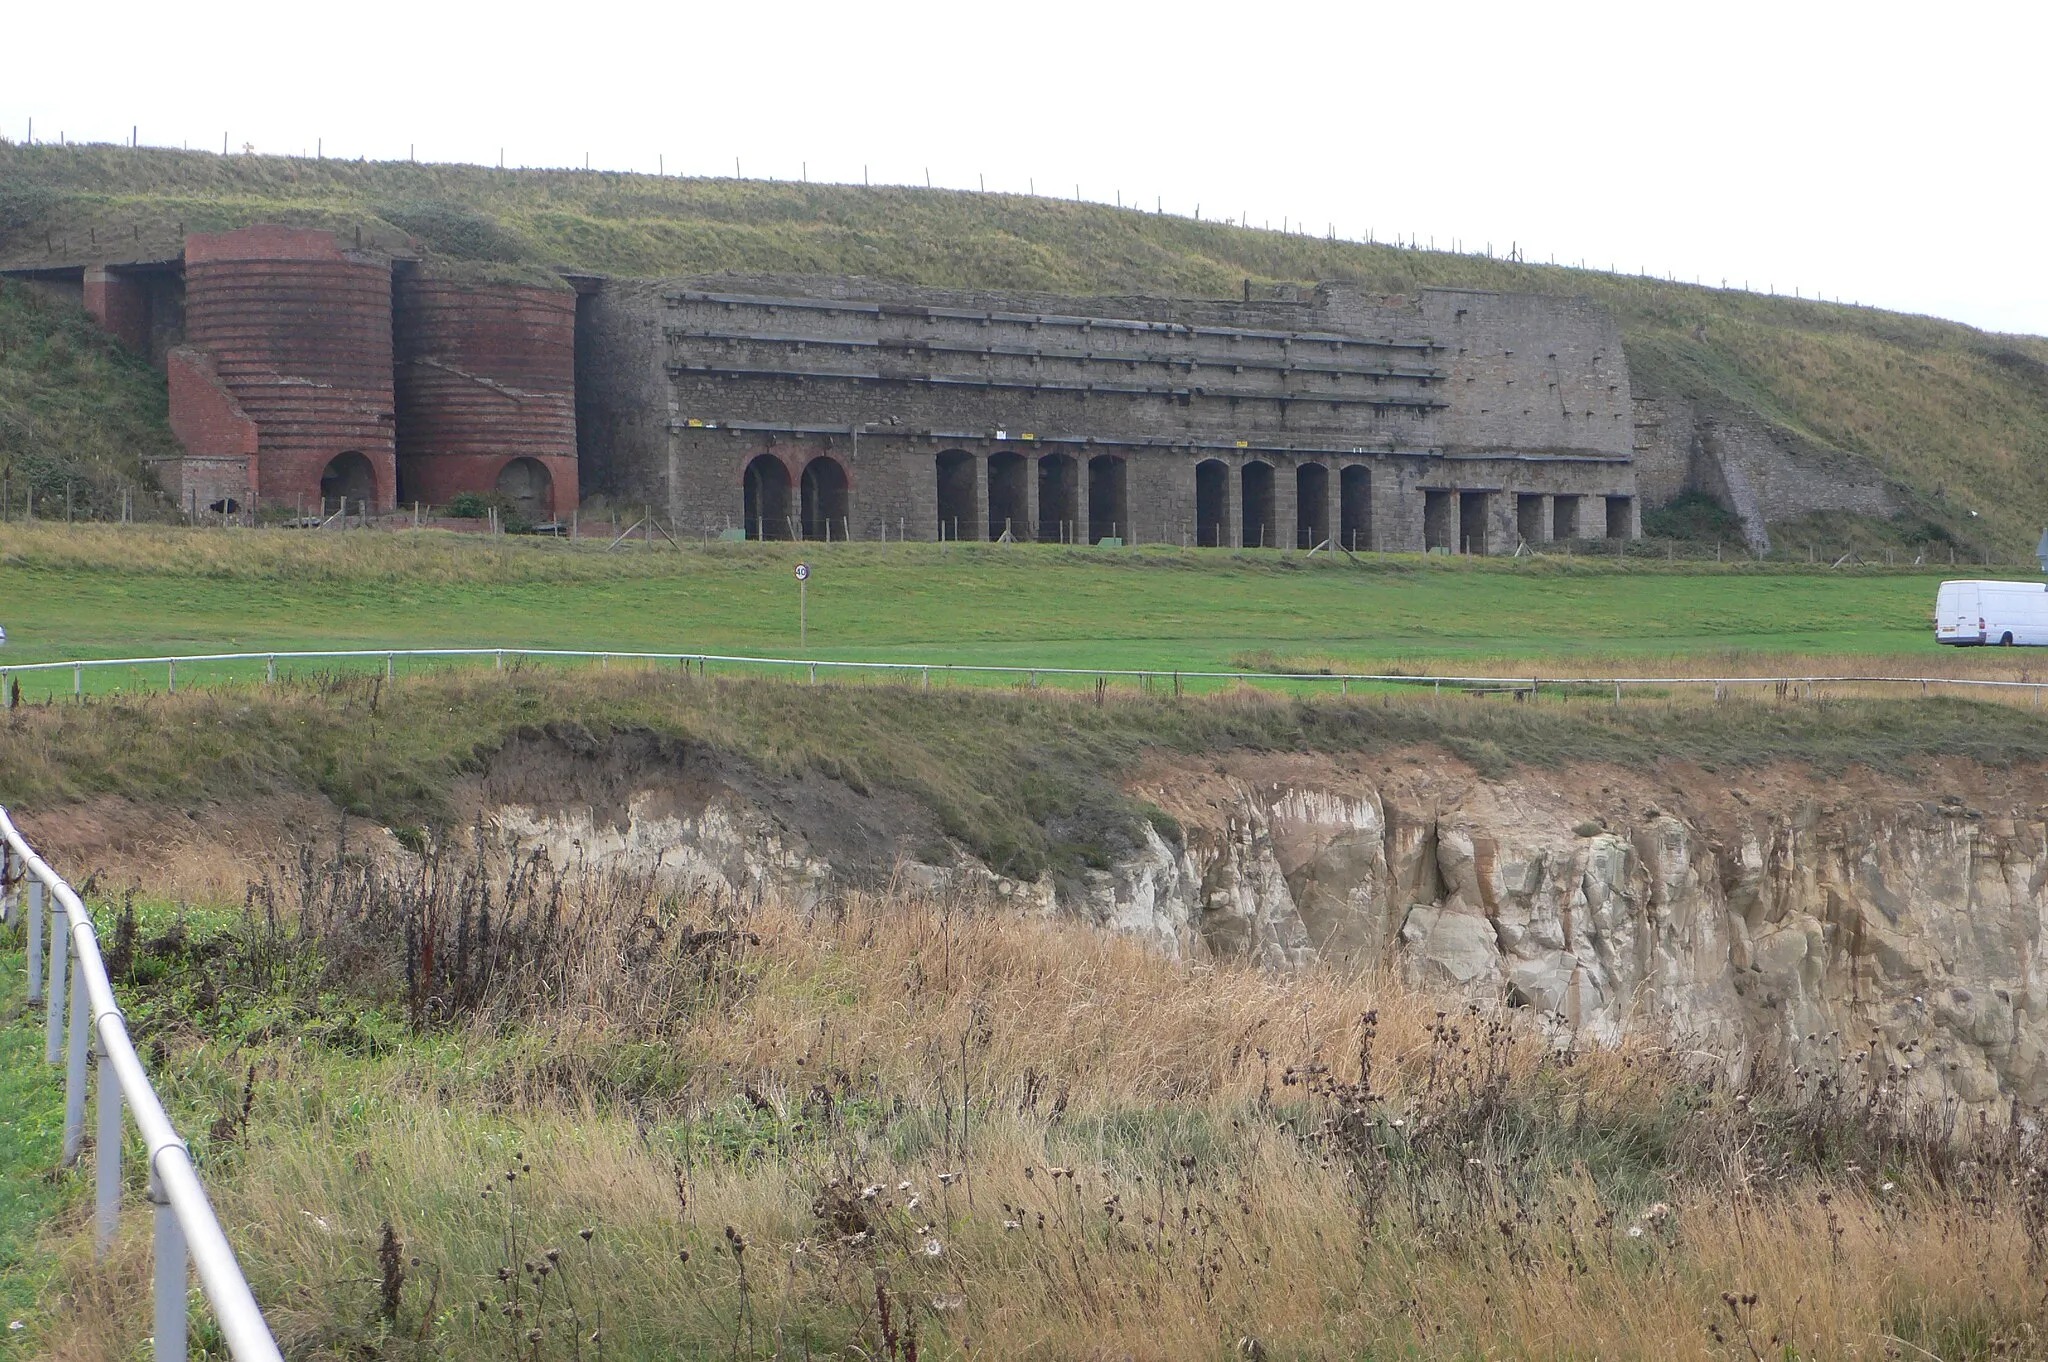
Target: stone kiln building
[847,408]
[304,369]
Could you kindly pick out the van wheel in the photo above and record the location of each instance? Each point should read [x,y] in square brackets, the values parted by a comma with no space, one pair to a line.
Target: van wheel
[2006,640]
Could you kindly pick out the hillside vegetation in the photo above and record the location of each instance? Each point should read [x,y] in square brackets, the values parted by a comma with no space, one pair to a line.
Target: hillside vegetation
[459,1109]
[1957,417]
[77,411]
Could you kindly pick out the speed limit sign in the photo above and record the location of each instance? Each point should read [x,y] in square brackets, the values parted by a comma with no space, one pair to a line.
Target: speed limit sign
[803,572]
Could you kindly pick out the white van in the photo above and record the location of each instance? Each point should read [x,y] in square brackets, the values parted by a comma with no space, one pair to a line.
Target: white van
[1970,613]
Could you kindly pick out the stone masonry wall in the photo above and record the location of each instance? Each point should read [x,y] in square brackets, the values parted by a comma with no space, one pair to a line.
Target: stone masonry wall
[1759,473]
[1334,417]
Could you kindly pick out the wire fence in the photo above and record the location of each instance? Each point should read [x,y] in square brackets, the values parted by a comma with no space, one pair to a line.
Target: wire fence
[922,674]
[187,1233]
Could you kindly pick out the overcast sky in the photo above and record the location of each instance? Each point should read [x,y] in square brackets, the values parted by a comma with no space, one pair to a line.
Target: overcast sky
[1891,154]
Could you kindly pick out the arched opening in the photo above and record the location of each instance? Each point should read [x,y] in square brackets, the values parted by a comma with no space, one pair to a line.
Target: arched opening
[349,475]
[825,514]
[766,498]
[1109,516]
[956,495]
[1311,505]
[1472,508]
[1439,519]
[1009,496]
[1621,520]
[527,484]
[1564,516]
[1059,499]
[1212,504]
[1354,507]
[1259,530]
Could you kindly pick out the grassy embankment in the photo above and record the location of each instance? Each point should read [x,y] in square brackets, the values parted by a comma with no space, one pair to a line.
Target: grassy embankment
[1030,780]
[1958,419]
[77,412]
[86,592]
[610,1125]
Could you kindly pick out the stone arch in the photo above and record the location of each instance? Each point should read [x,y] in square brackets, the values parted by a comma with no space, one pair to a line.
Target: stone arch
[1009,495]
[1059,499]
[528,485]
[1212,504]
[1109,512]
[1260,528]
[1354,507]
[826,512]
[765,498]
[348,474]
[956,495]
[1311,505]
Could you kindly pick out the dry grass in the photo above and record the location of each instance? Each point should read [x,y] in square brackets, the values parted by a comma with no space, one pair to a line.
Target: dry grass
[1027,1139]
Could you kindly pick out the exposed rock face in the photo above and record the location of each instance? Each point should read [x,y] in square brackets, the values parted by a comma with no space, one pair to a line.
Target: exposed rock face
[1799,933]
[1798,922]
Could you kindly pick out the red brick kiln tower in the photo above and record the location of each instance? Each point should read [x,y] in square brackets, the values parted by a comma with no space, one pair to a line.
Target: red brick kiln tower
[486,392]
[286,369]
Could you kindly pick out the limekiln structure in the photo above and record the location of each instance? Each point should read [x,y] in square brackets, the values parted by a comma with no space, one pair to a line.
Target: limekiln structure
[304,369]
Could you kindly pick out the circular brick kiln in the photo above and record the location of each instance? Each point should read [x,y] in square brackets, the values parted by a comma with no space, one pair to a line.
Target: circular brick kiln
[486,393]
[299,332]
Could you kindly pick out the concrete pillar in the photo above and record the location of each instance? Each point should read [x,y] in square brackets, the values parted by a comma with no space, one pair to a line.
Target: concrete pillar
[1500,527]
[1233,517]
[1396,509]
[1028,531]
[1286,499]
[1080,530]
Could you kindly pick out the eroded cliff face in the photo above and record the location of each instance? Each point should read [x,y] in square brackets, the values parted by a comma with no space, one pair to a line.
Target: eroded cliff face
[1827,926]
[1767,917]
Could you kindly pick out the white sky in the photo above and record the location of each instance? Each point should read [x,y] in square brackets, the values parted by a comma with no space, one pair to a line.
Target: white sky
[1891,154]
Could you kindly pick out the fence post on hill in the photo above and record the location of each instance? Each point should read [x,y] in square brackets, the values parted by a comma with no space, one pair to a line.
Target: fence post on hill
[74,1068]
[172,1273]
[35,940]
[106,1155]
[53,1012]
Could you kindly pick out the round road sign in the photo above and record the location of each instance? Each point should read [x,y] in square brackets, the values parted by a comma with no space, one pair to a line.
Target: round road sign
[803,572]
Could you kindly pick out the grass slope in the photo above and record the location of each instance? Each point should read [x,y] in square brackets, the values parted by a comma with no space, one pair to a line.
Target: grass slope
[76,410]
[1030,781]
[595,1129]
[109,592]
[1958,417]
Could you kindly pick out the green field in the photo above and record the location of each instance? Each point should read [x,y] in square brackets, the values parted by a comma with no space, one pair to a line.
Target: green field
[108,593]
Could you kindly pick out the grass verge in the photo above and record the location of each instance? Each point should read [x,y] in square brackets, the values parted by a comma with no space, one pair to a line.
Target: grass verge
[1029,780]
[463,1110]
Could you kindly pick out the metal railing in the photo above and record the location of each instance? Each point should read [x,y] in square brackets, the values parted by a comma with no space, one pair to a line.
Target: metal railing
[186,1229]
[924,671]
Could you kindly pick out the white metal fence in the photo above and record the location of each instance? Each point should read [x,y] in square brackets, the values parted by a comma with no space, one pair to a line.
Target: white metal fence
[186,1228]
[923,672]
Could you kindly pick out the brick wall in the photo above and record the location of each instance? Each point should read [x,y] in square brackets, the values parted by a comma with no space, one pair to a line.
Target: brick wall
[299,330]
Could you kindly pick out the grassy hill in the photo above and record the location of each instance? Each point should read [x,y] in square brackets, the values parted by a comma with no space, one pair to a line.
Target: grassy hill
[76,410]
[1956,417]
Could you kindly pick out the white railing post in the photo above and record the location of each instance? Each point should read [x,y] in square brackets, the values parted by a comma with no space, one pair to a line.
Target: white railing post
[106,1156]
[172,1272]
[74,1069]
[53,1015]
[187,1231]
[35,941]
